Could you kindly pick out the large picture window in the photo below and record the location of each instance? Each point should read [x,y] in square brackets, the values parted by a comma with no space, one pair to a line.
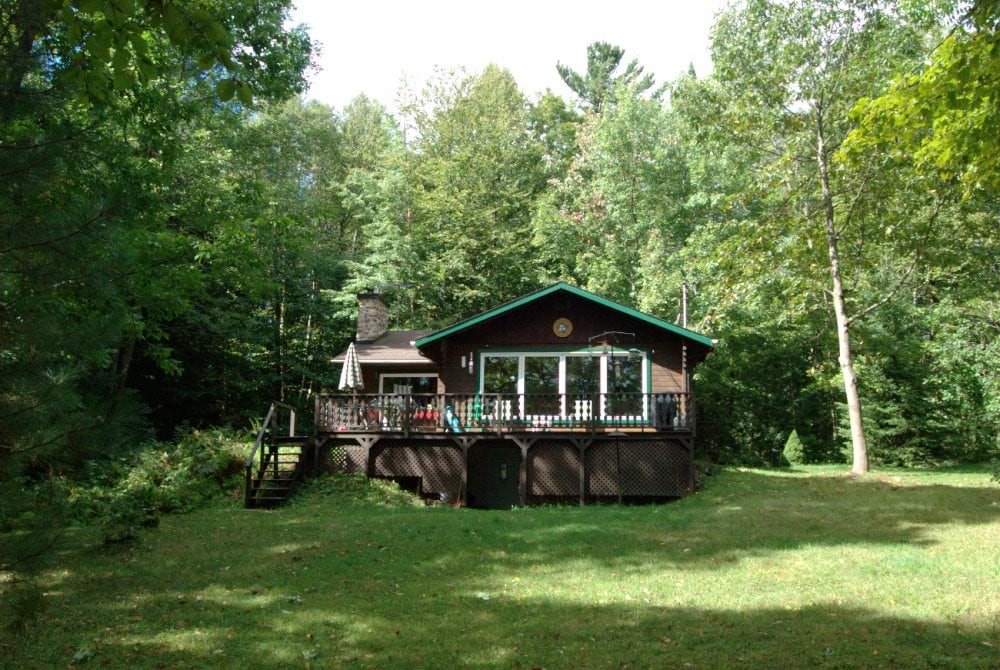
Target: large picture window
[561,384]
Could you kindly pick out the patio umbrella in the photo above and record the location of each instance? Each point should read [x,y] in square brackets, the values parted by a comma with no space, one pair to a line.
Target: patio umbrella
[350,375]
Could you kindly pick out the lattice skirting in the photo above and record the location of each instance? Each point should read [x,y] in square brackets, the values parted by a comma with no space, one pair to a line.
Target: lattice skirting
[649,468]
[553,469]
[438,464]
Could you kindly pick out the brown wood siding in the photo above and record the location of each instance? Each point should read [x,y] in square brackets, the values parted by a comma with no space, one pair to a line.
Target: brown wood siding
[531,328]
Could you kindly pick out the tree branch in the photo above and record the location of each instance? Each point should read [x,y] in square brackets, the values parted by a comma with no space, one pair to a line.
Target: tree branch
[9,567]
[849,217]
[887,298]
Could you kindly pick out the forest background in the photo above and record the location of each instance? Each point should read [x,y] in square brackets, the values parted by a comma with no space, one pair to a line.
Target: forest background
[182,236]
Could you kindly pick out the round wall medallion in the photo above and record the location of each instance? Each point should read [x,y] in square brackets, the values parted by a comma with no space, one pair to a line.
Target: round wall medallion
[562,327]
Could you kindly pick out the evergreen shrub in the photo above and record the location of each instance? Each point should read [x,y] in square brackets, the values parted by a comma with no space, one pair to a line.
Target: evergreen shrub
[794,452]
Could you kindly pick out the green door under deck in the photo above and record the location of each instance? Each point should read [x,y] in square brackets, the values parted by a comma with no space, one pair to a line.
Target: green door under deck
[494,472]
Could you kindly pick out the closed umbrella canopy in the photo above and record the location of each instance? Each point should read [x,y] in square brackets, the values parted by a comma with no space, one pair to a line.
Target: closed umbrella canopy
[350,375]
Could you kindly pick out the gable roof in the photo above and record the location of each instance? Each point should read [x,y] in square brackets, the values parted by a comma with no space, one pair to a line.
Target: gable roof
[562,286]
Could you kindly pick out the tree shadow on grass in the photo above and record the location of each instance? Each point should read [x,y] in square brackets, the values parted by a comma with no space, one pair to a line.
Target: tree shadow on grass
[432,588]
[750,513]
[502,633]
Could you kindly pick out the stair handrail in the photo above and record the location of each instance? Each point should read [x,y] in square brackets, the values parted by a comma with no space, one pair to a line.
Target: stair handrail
[270,421]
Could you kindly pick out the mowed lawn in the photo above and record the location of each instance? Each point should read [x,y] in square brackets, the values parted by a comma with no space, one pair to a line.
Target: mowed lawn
[763,568]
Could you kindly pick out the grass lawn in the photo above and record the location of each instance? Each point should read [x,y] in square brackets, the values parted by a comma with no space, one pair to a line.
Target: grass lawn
[763,568]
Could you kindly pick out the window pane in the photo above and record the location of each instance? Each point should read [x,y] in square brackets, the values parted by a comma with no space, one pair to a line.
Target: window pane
[583,377]
[624,385]
[541,385]
[500,374]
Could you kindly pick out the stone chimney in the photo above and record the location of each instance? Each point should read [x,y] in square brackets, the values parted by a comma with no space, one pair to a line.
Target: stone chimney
[373,317]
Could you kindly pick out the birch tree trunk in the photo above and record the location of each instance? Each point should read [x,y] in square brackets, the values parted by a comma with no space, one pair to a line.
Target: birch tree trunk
[859,445]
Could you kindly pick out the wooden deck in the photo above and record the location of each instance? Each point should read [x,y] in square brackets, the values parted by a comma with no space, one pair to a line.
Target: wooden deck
[503,414]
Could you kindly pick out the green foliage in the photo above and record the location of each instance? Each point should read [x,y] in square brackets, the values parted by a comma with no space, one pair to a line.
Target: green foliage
[477,173]
[163,478]
[97,104]
[599,84]
[32,522]
[943,117]
[95,49]
[355,489]
[929,391]
[786,219]
[620,209]
[762,378]
[793,453]
[268,247]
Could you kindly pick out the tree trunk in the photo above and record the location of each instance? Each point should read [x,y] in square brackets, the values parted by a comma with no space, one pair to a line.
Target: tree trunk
[26,22]
[279,342]
[859,445]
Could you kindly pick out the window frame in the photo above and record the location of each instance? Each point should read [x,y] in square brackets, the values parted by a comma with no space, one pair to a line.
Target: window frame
[397,375]
[562,355]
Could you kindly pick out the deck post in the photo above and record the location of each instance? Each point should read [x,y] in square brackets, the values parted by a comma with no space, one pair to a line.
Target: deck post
[498,414]
[617,434]
[367,443]
[689,443]
[316,456]
[464,492]
[406,415]
[581,445]
[522,481]
[595,412]
[316,420]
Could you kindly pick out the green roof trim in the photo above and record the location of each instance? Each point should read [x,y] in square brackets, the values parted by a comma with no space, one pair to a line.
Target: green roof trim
[562,286]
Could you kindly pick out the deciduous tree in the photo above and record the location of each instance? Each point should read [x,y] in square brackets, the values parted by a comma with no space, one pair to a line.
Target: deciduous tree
[790,73]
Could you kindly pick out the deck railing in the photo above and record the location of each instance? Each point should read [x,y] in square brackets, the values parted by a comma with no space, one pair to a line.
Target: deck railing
[502,413]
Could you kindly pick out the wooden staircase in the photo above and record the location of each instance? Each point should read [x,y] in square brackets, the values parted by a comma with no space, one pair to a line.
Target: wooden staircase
[275,465]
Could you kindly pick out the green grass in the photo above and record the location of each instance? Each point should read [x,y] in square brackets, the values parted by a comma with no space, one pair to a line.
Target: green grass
[763,568]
